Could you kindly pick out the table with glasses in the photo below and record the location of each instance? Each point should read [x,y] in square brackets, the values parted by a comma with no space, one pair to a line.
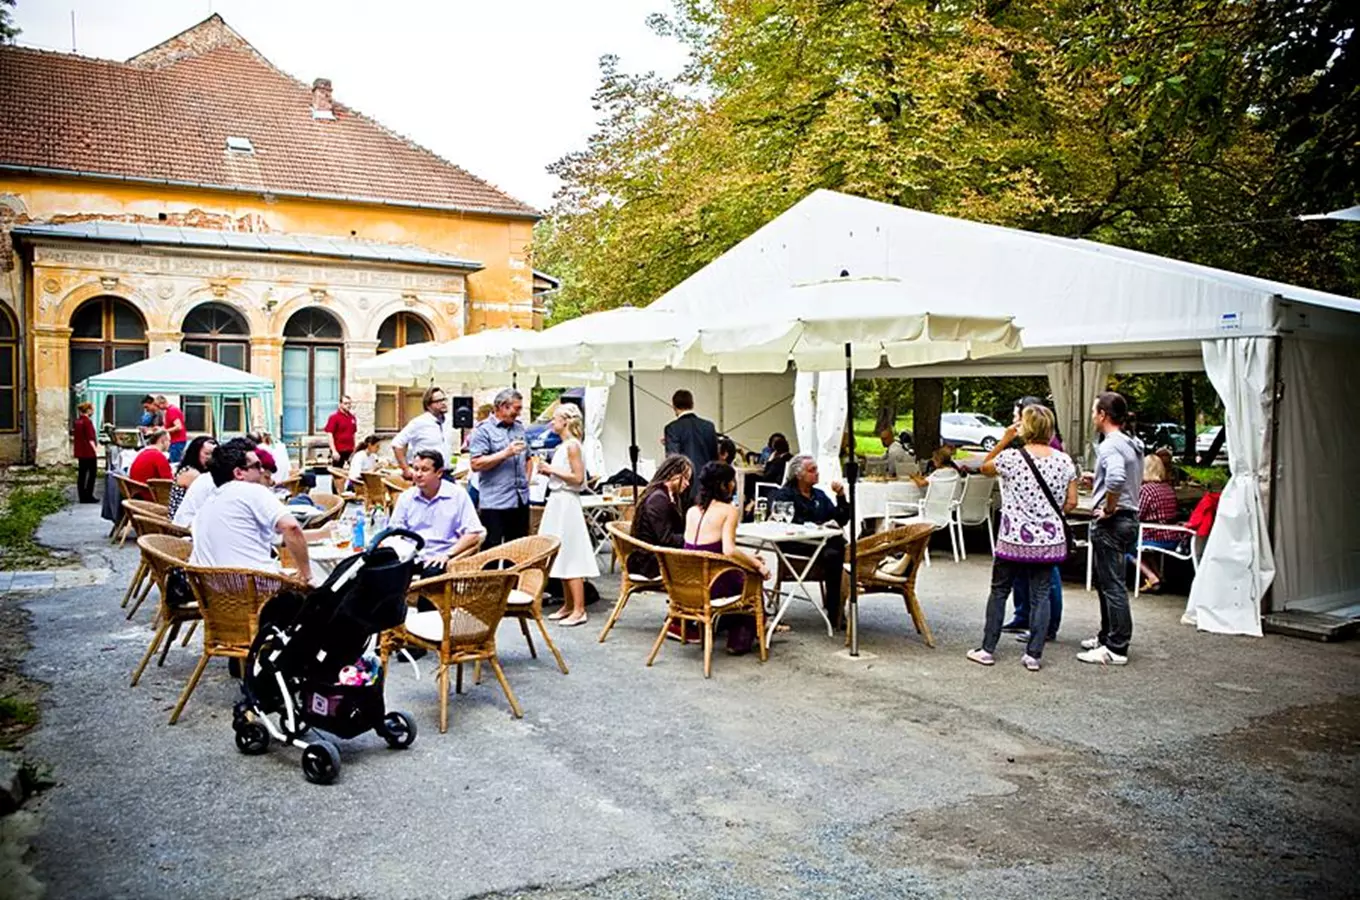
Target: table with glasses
[774,536]
[600,510]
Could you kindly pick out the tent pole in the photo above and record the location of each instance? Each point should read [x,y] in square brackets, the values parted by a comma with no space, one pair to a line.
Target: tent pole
[632,432]
[852,476]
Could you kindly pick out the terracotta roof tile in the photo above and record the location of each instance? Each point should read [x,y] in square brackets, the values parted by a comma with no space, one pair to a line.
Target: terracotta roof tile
[167,113]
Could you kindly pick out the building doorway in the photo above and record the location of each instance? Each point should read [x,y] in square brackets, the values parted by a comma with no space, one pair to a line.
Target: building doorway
[217,333]
[313,370]
[108,333]
[396,406]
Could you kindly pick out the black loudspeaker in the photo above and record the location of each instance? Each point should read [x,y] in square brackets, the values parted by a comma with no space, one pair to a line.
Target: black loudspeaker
[462,412]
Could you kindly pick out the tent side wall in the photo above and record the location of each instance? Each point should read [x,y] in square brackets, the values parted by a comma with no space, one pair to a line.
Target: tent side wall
[748,408]
[1317,496]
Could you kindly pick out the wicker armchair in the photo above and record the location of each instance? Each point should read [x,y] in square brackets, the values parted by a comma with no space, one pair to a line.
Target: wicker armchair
[392,489]
[331,506]
[129,490]
[689,576]
[875,556]
[340,483]
[160,490]
[162,553]
[532,559]
[229,601]
[469,604]
[620,533]
[535,517]
[147,525]
[375,492]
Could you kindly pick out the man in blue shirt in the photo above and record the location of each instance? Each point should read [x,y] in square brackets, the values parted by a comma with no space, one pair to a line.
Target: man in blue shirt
[499,456]
[439,511]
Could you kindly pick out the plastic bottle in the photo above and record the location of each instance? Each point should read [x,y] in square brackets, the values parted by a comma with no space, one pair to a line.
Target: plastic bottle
[379,522]
[358,540]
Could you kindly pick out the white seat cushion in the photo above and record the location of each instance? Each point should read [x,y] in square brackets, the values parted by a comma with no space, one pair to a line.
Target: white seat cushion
[519,598]
[642,579]
[429,626]
[720,602]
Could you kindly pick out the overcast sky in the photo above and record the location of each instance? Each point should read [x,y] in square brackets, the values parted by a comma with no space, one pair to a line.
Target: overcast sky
[500,88]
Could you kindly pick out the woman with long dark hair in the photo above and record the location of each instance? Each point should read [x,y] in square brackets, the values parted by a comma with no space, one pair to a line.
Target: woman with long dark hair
[197,458]
[711,525]
[660,517]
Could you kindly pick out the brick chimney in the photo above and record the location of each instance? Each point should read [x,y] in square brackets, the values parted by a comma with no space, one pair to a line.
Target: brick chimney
[321,99]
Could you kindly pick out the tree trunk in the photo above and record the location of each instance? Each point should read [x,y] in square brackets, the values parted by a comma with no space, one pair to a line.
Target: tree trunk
[1188,417]
[926,408]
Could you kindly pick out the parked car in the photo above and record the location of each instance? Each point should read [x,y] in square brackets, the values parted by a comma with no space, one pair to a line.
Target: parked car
[539,435]
[968,429]
[1205,440]
[1162,434]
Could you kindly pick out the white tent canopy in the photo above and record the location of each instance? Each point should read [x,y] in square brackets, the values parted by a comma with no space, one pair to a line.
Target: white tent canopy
[1088,310]
[175,372]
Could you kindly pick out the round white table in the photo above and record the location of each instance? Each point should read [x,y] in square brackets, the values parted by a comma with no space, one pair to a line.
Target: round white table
[771,536]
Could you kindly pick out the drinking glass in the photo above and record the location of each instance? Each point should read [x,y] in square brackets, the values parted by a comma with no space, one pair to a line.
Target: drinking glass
[762,506]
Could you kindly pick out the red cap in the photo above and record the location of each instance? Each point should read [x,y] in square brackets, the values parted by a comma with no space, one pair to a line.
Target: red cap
[267,460]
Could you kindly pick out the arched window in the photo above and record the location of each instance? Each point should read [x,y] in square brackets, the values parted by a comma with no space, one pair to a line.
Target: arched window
[9,372]
[396,406]
[108,333]
[313,370]
[219,334]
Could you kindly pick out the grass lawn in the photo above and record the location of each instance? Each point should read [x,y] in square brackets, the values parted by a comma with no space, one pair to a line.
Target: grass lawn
[866,439]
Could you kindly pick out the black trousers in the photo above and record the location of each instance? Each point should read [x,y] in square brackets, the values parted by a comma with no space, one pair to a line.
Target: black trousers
[86,470]
[505,524]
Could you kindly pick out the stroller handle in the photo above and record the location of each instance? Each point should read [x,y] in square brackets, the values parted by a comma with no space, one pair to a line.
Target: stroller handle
[395,532]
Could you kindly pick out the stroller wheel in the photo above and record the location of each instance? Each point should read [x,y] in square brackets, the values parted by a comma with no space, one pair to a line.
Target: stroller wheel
[252,738]
[398,729]
[321,762]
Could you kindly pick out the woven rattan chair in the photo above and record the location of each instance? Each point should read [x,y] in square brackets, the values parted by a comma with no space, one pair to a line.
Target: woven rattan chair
[142,583]
[689,575]
[532,559]
[160,490]
[392,489]
[331,505]
[375,492]
[878,555]
[620,533]
[229,601]
[340,483]
[163,553]
[292,484]
[128,490]
[535,517]
[469,605]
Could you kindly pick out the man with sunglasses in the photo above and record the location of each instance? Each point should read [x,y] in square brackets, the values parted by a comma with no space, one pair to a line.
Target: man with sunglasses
[427,431]
[235,527]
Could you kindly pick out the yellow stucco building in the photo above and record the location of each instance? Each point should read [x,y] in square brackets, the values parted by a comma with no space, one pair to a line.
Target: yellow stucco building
[196,197]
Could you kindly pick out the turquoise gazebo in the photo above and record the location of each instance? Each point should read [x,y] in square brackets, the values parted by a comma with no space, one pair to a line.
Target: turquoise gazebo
[176,372]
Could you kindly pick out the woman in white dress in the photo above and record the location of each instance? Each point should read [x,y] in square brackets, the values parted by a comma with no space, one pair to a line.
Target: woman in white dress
[563,516]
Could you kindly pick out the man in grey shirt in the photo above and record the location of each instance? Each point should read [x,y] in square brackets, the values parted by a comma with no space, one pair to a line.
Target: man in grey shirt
[501,461]
[1114,533]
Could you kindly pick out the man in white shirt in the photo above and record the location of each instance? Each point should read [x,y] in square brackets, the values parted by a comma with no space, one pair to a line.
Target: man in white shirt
[200,489]
[235,527]
[426,431]
[898,458]
[439,511]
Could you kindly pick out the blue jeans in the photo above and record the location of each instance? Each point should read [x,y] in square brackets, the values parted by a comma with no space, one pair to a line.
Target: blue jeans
[1160,545]
[1008,576]
[1111,540]
[177,451]
[1055,606]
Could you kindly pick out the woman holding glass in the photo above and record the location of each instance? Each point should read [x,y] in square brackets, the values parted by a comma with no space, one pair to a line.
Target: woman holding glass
[564,518]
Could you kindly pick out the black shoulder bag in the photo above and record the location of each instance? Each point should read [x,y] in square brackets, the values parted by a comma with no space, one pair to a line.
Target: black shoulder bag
[1053,502]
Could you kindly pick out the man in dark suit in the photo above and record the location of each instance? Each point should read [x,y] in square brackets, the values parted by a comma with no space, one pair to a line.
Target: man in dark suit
[690,435]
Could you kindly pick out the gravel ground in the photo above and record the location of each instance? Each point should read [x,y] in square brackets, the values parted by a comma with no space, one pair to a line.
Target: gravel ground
[1208,767]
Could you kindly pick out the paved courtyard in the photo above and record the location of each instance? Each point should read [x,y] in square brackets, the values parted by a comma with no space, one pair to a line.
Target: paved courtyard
[1208,767]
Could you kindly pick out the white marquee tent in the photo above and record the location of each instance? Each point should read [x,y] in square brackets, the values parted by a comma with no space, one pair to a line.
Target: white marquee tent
[1279,355]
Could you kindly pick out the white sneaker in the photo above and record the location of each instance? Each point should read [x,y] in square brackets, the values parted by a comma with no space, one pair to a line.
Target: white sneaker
[1103,656]
[1090,643]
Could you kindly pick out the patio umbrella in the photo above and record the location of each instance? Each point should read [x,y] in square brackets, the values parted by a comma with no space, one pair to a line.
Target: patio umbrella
[404,366]
[856,323]
[610,341]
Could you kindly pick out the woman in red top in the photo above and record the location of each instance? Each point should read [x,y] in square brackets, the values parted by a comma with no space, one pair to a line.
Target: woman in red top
[86,452]
[152,462]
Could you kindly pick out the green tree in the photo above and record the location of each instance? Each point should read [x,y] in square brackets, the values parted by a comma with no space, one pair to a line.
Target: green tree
[8,31]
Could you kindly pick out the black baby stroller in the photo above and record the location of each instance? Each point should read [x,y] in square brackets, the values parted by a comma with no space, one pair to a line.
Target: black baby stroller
[303,645]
